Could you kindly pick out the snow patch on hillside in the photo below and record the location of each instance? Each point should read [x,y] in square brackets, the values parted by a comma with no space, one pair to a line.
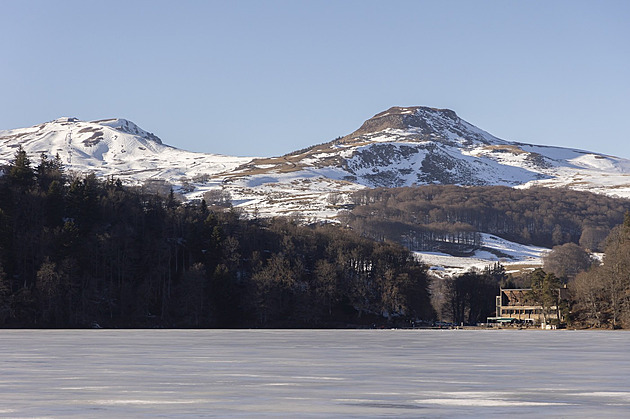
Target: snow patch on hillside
[512,256]
[313,194]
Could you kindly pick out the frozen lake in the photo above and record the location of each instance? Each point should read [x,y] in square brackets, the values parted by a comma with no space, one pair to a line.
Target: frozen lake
[322,373]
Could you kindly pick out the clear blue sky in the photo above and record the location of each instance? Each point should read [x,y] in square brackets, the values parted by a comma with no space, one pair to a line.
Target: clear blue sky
[269,77]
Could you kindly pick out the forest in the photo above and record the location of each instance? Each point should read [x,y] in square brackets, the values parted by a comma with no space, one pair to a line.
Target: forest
[574,224]
[76,251]
[439,217]
[601,292]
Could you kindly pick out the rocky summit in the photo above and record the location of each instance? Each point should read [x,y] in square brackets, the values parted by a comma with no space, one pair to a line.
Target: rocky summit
[422,124]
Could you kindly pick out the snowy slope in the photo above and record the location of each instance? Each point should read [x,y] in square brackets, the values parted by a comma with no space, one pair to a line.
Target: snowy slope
[415,146]
[513,256]
[402,146]
[113,147]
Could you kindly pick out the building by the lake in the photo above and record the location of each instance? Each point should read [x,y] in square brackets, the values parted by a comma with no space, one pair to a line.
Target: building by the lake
[517,305]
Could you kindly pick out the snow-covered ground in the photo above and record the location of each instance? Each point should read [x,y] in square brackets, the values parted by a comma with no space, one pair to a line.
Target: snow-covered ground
[307,195]
[514,257]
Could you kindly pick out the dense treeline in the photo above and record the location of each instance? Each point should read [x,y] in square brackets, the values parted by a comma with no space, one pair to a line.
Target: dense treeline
[601,295]
[469,298]
[599,291]
[436,216]
[75,251]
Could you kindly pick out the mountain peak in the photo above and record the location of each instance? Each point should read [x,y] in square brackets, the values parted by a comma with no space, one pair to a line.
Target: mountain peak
[118,124]
[106,146]
[416,110]
[397,117]
[128,127]
[421,123]
[65,120]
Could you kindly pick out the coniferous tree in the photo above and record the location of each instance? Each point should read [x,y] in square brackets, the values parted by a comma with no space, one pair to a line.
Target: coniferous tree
[21,173]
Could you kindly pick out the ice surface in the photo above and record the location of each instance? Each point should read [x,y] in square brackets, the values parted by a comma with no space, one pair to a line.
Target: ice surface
[314,373]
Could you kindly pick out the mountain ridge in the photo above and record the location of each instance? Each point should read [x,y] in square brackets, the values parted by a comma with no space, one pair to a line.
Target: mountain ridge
[402,146]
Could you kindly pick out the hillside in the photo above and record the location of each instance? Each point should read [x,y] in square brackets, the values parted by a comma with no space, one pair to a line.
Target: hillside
[461,221]
[113,147]
[402,146]
[417,146]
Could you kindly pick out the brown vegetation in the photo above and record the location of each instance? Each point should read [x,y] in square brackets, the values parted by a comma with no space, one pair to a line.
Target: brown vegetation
[433,216]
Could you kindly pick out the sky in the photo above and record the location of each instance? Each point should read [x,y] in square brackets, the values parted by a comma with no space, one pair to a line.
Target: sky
[264,78]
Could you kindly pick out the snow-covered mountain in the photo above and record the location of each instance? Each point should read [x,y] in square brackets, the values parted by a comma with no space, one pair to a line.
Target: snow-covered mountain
[402,146]
[415,146]
[113,147]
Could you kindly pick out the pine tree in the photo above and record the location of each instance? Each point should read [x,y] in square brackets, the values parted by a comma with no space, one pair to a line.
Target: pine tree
[20,172]
[49,170]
